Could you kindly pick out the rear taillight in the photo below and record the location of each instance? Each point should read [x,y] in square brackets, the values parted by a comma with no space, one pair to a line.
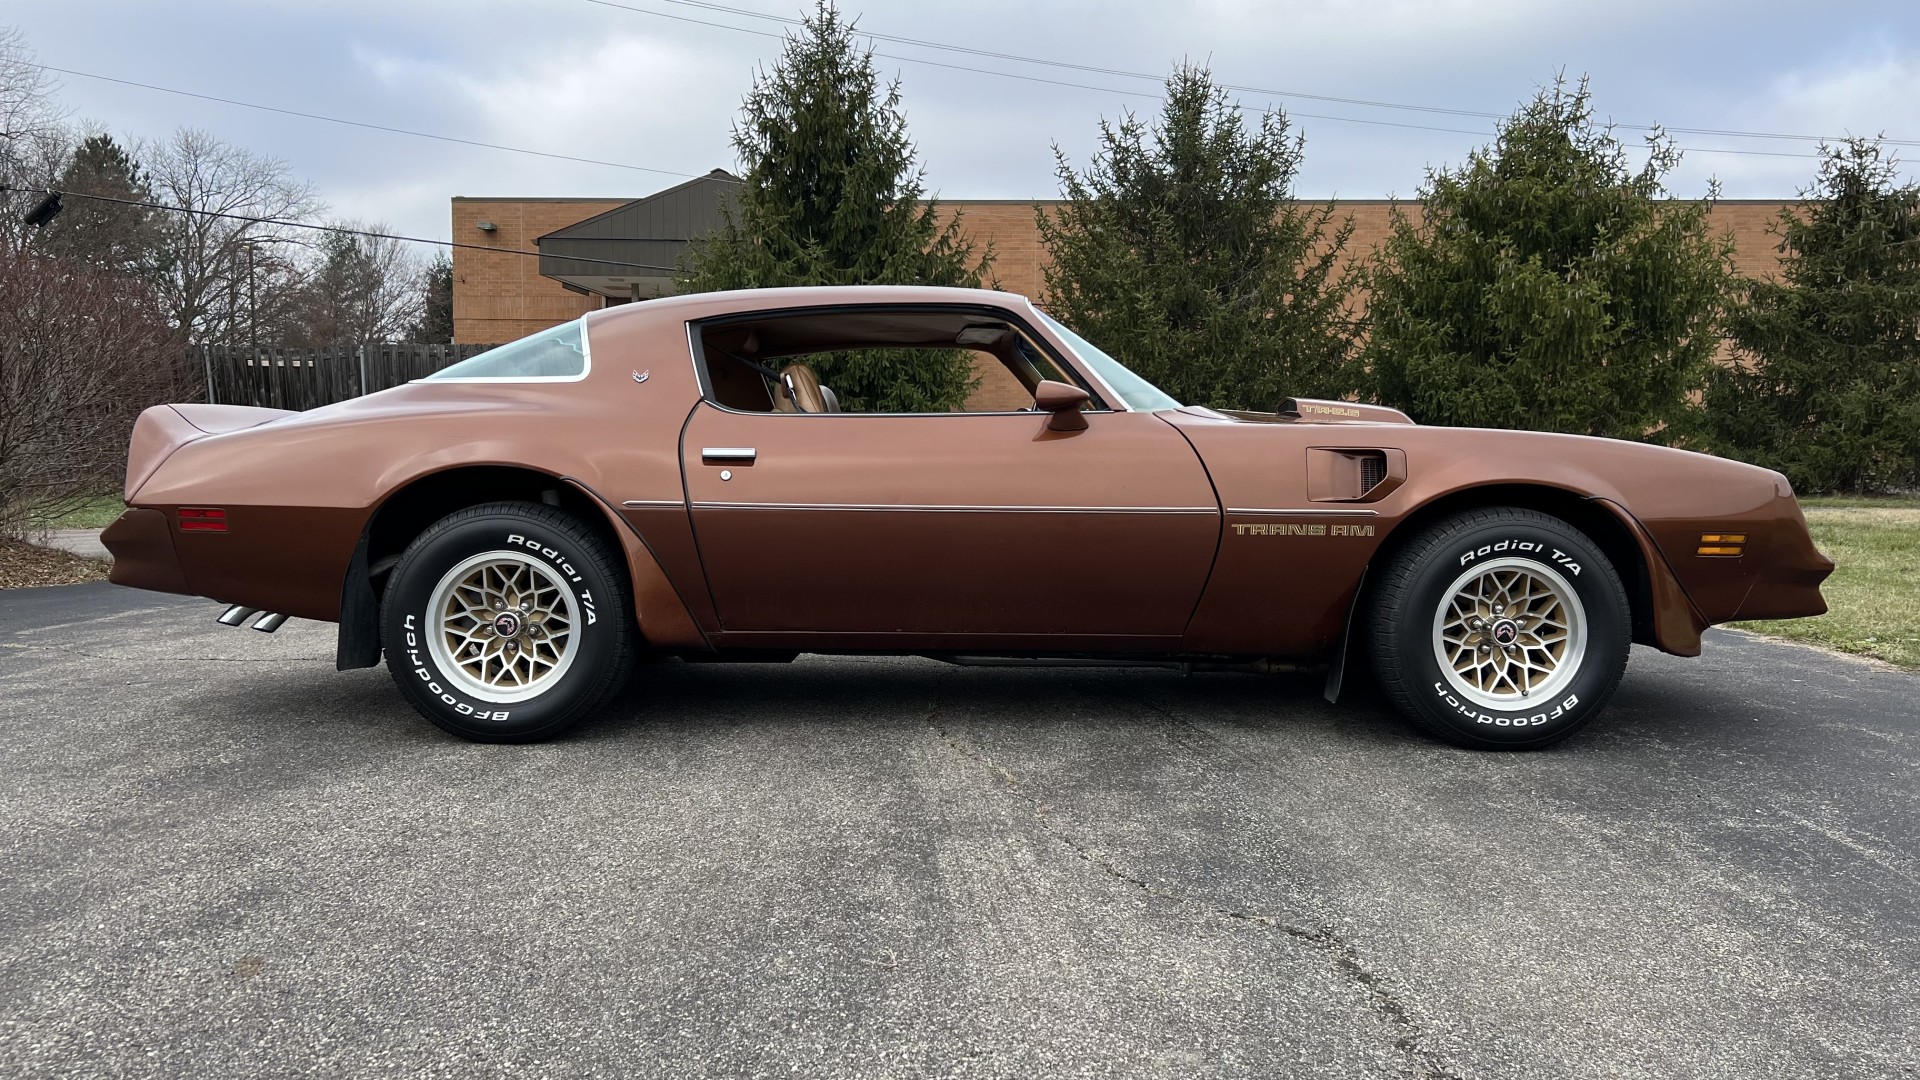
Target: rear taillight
[202,519]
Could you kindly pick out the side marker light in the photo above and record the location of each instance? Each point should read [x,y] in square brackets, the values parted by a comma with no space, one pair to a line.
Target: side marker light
[203,519]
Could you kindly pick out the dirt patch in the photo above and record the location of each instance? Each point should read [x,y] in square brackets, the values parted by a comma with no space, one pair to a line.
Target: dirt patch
[26,566]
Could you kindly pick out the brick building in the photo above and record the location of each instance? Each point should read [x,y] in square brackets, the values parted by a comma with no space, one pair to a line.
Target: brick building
[596,252]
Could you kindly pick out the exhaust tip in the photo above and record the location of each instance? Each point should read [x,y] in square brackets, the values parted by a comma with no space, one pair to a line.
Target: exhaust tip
[237,614]
[269,622]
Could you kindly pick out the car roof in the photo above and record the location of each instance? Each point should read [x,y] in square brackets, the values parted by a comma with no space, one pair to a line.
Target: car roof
[709,304]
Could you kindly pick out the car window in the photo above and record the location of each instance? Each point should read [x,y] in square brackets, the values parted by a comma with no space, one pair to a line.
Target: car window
[1137,392]
[876,360]
[556,353]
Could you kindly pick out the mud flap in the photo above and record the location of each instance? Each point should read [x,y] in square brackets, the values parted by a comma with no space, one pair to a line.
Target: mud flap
[359,642]
[1337,670]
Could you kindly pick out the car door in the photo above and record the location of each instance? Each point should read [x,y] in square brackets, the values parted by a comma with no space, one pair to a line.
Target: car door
[987,529]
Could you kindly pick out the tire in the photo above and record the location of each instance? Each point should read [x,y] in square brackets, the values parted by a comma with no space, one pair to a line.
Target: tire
[473,617]
[1450,653]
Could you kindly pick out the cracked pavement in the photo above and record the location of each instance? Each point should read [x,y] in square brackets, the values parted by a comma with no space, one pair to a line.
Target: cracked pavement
[219,857]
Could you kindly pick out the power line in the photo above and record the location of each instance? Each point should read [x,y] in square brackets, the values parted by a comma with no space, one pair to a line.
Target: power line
[343,230]
[357,123]
[1240,88]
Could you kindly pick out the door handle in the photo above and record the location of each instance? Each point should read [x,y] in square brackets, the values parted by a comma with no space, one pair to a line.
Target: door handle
[727,453]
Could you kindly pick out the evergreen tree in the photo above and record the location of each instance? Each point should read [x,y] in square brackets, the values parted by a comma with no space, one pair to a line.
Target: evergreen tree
[1548,285]
[831,195]
[363,288]
[435,324]
[1826,381]
[1181,250]
[97,233]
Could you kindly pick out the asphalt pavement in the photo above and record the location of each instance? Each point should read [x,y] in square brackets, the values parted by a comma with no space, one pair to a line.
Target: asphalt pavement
[221,858]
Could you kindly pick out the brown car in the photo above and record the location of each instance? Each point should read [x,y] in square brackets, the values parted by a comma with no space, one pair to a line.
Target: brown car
[674,478]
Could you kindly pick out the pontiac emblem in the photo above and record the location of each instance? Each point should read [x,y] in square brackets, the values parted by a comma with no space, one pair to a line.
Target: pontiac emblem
[643,376]
[1505,632]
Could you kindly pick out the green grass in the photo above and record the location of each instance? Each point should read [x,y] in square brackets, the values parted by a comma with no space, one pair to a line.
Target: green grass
[1873,597]
[1861,502]
[94,514]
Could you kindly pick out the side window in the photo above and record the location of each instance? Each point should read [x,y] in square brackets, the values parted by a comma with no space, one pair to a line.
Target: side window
[875,360]
[556,353]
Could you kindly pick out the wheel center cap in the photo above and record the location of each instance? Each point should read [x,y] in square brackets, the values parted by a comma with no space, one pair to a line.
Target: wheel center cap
[507,624]
[1506,632]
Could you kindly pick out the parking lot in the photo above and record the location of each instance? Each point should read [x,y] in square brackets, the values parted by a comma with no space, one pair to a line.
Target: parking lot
[221,858]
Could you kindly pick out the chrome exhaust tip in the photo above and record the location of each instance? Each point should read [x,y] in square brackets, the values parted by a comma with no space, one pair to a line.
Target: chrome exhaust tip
[269,622]
[237,614]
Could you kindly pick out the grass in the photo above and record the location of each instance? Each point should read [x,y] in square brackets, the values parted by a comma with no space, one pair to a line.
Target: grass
[1873,596]
[1883,502]
[94,514]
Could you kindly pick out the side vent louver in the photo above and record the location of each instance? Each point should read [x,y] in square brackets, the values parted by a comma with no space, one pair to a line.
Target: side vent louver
[1354,474]
[1373,469]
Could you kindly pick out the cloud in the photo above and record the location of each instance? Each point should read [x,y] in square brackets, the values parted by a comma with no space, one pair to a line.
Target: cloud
[1863,90]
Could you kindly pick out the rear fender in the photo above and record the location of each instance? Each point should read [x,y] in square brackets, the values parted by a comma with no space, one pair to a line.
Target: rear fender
[663,616]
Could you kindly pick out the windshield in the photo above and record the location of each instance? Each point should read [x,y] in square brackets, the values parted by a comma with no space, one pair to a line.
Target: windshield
[1138,393]
[558,353]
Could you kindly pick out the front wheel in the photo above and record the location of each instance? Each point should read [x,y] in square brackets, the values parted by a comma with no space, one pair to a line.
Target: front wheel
[1500,629]
[507,622]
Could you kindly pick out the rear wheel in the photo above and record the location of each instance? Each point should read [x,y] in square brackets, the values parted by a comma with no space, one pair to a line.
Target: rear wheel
[508,622]
[1501,628]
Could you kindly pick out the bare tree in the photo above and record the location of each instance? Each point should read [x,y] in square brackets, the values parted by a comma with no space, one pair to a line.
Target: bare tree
[362,288]
[34,141]
[225,277]
[80,356]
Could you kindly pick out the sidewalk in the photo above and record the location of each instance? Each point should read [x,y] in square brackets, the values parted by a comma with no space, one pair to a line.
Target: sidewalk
[83,542]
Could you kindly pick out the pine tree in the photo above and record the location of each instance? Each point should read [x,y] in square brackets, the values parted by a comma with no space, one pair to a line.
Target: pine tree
[1826,381]
[1181,251]
[1547,284]
[831,195]
[435,323]
[96,232]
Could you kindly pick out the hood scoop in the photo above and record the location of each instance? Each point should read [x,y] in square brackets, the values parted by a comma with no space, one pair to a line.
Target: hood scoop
[1314,411]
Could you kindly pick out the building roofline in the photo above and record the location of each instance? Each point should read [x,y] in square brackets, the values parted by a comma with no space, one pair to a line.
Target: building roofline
[1775,201]
[544,198]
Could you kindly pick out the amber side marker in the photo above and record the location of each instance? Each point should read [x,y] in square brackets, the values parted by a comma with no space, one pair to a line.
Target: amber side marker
[1722,544]
[202,519]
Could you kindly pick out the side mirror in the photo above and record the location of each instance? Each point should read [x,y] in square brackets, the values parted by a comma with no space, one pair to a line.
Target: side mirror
[1063,401]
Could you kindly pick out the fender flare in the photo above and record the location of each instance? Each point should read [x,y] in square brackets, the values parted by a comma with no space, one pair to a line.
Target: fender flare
[663,617]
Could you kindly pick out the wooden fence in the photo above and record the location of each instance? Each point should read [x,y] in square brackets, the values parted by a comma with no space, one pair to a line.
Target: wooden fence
[309,378]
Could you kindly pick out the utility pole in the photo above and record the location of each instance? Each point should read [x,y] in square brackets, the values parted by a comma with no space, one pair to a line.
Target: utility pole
[253,312]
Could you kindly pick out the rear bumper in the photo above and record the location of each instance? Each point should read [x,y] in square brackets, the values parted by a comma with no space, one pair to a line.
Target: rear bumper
[141,542]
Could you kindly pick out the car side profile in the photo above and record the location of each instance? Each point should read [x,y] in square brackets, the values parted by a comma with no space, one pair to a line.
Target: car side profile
[676,478]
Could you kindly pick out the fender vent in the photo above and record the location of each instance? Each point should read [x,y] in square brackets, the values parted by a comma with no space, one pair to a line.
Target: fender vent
[1373,469]
[1353,474]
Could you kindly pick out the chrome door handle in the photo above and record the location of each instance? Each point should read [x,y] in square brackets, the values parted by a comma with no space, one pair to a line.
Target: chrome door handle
[727,453]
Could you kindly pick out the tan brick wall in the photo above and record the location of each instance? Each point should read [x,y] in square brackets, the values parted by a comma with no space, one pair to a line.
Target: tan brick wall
[503,297]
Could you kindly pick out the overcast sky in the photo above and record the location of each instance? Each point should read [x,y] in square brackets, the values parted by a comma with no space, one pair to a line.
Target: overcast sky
[587,79]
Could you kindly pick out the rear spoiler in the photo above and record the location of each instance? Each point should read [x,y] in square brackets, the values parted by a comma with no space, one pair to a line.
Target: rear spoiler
[165,428]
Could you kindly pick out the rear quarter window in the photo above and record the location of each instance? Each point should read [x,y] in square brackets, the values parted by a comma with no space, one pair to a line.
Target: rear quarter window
[559,353]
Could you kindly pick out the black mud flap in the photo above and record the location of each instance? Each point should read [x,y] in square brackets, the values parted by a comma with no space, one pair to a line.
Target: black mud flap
[1337,671]
[359,645]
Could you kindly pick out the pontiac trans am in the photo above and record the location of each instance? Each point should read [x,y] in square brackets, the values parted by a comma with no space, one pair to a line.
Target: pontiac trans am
[674,478]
